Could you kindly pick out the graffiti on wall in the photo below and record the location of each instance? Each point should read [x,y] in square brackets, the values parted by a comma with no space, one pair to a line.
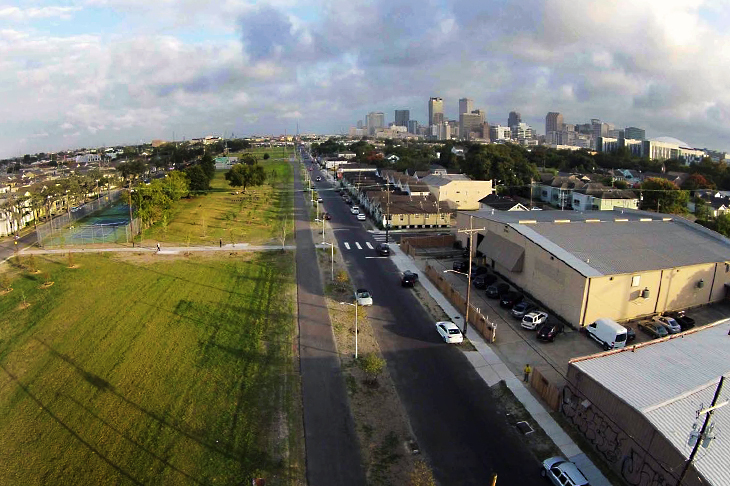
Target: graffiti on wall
[634,465]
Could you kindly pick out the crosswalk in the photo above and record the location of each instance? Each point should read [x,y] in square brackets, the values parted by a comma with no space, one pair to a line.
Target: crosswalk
[356,245]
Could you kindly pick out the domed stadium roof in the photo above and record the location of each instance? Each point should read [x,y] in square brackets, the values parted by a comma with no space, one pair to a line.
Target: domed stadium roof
[673,140]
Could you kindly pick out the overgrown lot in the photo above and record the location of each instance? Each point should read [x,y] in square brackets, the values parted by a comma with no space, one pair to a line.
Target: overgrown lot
[229,214]
[150,370]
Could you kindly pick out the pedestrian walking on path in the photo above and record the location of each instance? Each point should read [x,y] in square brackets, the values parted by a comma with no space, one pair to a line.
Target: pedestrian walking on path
[158,247]
[220,242]
[527,372]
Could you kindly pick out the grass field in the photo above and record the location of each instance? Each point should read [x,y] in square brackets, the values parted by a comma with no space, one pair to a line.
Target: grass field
[150,370]
[253,217]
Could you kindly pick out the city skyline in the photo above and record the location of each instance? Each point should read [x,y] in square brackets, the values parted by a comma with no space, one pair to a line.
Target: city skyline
[110,72]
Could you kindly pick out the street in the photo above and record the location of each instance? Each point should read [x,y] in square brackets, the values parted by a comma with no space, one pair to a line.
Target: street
[450,408]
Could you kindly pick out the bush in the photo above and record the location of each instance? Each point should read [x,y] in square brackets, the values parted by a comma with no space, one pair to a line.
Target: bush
[372,365]
[421,475]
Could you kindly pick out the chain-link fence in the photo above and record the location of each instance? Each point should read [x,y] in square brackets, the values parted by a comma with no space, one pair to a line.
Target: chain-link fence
[103,220]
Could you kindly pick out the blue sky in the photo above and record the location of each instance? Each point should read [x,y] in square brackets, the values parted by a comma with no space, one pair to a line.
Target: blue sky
[91,73]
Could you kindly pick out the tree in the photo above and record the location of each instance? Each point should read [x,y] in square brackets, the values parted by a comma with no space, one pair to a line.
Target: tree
[372,365]
[421,475]
[249,159]
[723,224]
[663,196]
[199,180]
[241,175]
[208,165]
[697,181]
[266,156]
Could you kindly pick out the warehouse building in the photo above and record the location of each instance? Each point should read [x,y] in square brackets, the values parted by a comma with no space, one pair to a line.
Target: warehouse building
[638,406]
[619,264]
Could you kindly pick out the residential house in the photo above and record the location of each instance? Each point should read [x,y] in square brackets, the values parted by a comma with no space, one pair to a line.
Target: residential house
[458,190]
[501,203]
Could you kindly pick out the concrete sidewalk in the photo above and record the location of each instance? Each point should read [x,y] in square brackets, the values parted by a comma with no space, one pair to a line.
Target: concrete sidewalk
[164,250]
[492,370]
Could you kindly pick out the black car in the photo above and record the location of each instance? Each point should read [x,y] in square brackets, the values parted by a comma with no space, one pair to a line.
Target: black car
[482,281]
[509,299]
[522,308]
[476,271]
[383,249]
[461,266]
[409,279]
[326,216]
[494,291]
[549,330]
[684,321]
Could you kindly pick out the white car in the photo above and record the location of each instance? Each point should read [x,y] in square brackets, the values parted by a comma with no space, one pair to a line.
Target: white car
[672,326]
[562,472]
[363,297]
[532,320]
[449,332]
[360,217]
[355,210]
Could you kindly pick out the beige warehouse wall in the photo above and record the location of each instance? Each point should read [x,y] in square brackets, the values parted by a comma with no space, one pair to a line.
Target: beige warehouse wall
[464,195]
[679,287]
[615,298]
[722,276]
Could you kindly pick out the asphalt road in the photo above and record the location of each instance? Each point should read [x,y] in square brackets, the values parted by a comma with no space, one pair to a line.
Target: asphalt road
[451,409]
[333,453]
[8,246]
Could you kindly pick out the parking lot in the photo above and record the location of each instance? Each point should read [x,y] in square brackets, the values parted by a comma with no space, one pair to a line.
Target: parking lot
[517,346]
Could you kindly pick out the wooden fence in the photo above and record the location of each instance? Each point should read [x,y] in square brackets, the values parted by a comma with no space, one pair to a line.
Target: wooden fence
[410,245]
[479,321]
[547,391]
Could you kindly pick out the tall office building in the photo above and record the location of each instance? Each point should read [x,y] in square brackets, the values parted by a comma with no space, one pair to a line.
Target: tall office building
[553,122]
[435,111]
[635,133]
[402,117]
[470,123]
[413,127]
[374,121]
[466,105]
[514,118]
[359,124]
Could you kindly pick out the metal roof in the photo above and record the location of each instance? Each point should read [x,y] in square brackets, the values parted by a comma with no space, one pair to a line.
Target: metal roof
[668,381]
[618,241]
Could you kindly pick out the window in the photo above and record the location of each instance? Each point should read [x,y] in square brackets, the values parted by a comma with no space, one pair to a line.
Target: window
[635,280]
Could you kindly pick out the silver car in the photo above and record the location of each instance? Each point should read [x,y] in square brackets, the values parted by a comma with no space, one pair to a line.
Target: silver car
[672,326]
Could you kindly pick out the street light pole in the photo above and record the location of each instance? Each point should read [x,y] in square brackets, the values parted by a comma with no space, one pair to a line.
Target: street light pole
[471,231]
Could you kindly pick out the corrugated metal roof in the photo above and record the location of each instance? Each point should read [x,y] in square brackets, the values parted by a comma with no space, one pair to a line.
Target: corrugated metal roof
[668,382]
[638,241]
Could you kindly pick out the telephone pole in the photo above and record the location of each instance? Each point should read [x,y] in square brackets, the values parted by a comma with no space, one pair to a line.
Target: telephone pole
[471,231]
[703,437]
[387,217]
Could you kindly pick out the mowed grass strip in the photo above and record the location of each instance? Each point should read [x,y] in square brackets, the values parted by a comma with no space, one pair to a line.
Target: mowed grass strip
[253,217]
[150,371]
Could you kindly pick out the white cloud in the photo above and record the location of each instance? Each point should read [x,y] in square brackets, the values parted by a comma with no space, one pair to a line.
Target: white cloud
[18,14]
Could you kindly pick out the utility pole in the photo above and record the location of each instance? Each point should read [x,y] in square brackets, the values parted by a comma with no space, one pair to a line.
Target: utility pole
[703,438]
[471,231]
[387,217]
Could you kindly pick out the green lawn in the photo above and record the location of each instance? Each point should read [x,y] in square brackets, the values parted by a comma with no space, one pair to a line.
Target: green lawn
[253,217]
[150,370]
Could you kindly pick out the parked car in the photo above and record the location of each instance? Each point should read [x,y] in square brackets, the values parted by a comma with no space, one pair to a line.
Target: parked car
[461,266]
[363,297]
[495,291]
[630,333]
[482,281]
[476,271]
[561,472]
[449,332]
[409,279]
[355,210]
[608,333]
[348,200]
[319,178]
[532,320]
[522,308]
[509,299]
[327,216]
[685,321]
[319,199]
[549,330]
[672,326]
[382,249]
[653,329]
[360,216]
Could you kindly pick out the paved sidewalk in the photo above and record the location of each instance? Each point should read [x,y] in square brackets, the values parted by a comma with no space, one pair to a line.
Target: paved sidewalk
[492,370]
[165,250]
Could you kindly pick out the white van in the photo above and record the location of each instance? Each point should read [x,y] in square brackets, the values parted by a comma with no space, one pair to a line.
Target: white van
[609,333]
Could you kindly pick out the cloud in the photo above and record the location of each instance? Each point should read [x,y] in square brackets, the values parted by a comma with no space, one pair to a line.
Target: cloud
[260,67]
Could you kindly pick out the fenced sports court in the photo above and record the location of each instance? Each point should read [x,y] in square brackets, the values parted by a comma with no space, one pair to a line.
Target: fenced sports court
[104,220]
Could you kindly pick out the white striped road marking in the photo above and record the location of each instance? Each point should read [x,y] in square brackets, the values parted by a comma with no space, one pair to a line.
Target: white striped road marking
[358,245]
[369,245]
[347,245]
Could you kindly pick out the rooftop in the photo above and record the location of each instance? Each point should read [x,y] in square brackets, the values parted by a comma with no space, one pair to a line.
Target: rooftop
[668,381]
[597,243]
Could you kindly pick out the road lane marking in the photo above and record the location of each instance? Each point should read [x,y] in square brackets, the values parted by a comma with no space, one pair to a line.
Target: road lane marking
[358,245]
[369,245]
[347,245]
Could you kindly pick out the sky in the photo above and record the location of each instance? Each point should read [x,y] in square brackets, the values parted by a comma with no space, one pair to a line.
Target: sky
[93,73]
